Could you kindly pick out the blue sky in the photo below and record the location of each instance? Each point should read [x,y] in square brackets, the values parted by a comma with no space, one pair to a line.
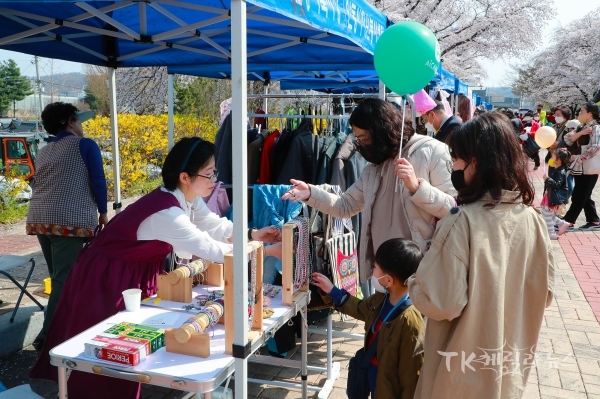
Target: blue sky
[498,70]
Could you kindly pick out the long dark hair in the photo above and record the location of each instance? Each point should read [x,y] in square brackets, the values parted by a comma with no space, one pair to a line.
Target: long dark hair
[500,163]
[593,109]
[188,155]
[384,123]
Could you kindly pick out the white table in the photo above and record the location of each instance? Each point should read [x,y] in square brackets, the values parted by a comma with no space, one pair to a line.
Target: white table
[171,370]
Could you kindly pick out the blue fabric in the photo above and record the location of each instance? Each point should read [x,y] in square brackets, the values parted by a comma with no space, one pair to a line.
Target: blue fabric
[351,24]
[269,210]
[338,296]
[570,185]
[90,153]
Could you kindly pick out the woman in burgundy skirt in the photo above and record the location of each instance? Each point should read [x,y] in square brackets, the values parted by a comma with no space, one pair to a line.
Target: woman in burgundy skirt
[130,252]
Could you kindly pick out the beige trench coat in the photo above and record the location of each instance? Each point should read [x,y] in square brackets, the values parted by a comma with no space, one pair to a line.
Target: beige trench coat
[484,285]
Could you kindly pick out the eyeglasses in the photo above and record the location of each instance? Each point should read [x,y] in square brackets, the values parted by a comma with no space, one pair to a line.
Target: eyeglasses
[212,177]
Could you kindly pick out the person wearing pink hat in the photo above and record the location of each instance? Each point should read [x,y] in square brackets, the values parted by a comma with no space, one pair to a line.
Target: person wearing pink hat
[439,121]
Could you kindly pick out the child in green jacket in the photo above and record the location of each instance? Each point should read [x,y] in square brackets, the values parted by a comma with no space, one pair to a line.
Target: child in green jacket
[395,369]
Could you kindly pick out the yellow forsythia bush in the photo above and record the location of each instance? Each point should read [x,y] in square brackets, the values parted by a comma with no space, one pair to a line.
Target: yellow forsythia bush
[143,143]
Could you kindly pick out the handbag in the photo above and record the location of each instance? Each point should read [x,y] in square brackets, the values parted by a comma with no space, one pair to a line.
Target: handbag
[530,147]
[357,386]
[591,166]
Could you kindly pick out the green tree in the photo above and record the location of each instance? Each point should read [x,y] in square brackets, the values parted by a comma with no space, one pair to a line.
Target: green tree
[16,86]
[201,96]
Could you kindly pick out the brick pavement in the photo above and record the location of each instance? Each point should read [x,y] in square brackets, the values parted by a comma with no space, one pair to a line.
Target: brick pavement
[568,351]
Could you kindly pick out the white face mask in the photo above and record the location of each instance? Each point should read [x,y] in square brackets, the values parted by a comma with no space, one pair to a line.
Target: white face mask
[429,127]
[377,285]
[559,119]
[536,118]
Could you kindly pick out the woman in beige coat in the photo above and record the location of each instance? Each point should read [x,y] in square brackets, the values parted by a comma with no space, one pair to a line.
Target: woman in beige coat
[424,195]
[489,273]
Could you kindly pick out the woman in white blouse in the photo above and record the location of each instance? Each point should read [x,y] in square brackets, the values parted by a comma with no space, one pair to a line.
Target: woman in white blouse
[130,252]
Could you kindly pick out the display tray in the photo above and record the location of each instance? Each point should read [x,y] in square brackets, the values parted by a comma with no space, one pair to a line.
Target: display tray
[279,310]
[164,368]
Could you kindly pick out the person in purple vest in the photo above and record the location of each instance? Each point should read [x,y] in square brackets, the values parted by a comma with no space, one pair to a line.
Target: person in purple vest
[130,252]
[69,197]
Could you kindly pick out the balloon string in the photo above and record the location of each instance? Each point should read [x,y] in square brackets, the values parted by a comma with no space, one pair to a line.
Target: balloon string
[401,139]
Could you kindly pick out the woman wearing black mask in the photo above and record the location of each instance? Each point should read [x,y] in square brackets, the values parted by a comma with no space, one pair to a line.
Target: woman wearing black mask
[408,209]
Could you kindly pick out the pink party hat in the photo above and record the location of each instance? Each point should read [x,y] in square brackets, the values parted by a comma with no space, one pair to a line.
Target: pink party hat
[423,103]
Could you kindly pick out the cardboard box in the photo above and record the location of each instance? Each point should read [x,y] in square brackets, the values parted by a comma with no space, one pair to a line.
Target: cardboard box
[142,344]
[120,354]
[156,336]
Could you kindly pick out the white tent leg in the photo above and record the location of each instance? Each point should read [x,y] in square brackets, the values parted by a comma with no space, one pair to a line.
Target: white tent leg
[114,130]
[381,90]
[265,99]
[171,111]
[239,110]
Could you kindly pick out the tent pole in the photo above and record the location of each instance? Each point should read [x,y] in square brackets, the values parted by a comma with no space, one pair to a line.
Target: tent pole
[171,110]
[381,90]
[114,130]
[265,99]
[239,110]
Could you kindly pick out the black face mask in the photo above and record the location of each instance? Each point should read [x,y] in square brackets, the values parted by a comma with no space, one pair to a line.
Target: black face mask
[458,178]
[370,154]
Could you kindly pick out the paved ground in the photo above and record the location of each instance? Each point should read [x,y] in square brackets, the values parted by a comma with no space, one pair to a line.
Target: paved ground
[567,358]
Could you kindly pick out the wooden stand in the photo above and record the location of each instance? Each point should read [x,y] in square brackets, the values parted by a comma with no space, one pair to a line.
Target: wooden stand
[213,275]
[287,267]
[198,345]
[178,292]
[257,325]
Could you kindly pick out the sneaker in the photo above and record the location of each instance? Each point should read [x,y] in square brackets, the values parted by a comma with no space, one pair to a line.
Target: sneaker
[553,236]
[589,226]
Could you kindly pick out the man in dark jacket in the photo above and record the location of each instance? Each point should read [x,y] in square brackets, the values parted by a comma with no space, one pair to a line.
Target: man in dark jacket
[441,122]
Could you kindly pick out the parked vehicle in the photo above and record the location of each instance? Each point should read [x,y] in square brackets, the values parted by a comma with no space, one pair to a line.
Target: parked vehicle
[22,189]
[18,152]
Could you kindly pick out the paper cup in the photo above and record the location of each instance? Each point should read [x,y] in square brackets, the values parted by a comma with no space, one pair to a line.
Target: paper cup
[132,298]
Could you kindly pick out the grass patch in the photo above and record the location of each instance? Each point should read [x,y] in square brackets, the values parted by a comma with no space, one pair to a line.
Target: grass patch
[141,187]
[12,212]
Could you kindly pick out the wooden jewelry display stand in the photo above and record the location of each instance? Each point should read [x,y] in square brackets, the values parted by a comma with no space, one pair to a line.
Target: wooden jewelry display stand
[173,288]
[198,343]
[287,267]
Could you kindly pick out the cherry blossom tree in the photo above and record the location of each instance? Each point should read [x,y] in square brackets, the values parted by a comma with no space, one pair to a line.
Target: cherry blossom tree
[568,72]
[470,29]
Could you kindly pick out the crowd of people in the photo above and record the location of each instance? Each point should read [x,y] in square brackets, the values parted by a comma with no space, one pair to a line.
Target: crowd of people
[450,239]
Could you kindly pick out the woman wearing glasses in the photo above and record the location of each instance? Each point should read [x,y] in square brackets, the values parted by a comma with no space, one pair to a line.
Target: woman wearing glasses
[398,198]
[130,252]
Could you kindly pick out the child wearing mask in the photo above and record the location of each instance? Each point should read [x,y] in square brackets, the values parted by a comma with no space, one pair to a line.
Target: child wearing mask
[556,192]
[391,322]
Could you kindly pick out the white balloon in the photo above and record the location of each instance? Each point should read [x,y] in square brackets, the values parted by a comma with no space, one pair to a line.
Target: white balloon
[545,136]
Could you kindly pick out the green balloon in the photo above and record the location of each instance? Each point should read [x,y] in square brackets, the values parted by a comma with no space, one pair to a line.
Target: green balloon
[407,56]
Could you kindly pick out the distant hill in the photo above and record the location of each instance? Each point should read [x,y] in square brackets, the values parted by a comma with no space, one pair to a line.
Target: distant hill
[501,91]
[64,83]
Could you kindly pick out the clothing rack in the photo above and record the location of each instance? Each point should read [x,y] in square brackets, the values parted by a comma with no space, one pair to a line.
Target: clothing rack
[307,116]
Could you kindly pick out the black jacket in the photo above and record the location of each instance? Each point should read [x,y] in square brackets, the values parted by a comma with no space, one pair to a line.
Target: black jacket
[447,128]
[556,186]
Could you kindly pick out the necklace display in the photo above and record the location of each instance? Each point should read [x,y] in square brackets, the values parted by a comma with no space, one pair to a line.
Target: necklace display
[252,299]
[303,259]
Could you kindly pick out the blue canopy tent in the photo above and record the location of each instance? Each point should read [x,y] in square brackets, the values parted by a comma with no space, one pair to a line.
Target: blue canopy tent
[461,88]
[225,35]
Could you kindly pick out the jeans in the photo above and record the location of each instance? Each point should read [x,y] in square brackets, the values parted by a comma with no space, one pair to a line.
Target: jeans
[582,200]
[60,254]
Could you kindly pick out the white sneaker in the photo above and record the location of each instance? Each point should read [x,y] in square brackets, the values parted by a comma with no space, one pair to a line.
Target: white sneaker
[553,236]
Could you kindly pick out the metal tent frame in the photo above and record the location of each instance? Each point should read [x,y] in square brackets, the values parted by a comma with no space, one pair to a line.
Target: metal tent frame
[220,33]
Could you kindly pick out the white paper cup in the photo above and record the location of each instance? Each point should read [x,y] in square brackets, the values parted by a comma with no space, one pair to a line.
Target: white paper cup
[132,298]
